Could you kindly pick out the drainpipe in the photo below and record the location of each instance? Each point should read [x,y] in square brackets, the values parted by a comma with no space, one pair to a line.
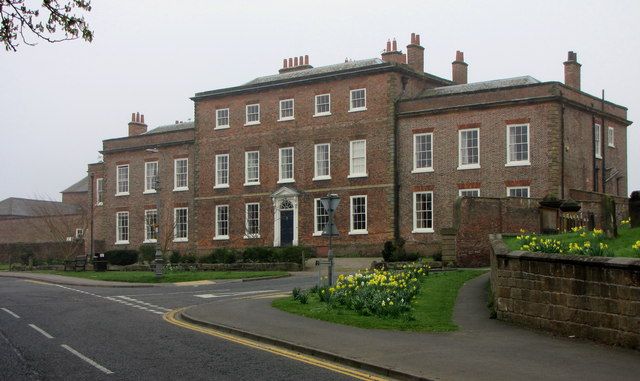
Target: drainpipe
[91,190]
[593,152]
[562,147]
[396,172]
[603,146]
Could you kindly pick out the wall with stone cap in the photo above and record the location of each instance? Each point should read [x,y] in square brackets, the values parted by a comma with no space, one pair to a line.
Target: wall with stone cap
[596,298]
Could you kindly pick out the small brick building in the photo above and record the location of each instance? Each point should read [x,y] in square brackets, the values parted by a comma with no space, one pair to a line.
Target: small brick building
[398,146]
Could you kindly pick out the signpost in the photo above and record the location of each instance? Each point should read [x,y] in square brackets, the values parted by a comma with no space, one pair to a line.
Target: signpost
[330,204]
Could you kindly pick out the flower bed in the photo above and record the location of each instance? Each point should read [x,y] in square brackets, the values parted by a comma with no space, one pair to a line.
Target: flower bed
[378,292]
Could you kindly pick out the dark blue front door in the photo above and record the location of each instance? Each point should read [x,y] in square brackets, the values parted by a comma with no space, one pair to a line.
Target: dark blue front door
[286,227]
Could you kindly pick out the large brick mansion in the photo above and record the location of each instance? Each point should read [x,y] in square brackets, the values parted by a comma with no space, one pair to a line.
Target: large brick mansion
[398,146]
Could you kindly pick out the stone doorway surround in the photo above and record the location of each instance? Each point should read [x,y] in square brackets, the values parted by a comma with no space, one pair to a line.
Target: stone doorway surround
[284,198]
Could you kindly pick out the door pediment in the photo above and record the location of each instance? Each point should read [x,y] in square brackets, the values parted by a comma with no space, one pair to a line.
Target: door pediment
[285,192]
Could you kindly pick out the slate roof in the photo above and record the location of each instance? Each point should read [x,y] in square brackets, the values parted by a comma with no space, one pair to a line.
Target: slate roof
[318,70]
[171,127]
[478,86]
[24,207]
[80,186]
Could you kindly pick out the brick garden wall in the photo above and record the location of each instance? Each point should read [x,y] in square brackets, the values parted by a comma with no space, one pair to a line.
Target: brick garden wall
[590,297]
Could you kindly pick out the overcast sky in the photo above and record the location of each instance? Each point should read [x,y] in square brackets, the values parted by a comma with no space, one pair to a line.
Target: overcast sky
[58,102]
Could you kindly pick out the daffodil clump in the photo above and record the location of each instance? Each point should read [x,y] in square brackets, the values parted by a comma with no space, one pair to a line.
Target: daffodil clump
[626,222]
[636,247]
[588,244]
[540,245]
[379,292]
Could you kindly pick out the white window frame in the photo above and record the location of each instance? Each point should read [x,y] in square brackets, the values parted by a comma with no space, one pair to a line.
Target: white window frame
[216,180]
[177,188]
[246,221]
[218,117]
[528,188]
[247,181]
[146,225]
[246,115]
[467,166]
[366,216]
[315,108]
[515,163]
[175,225]
[118,227]
[118,192]
[361,108]
[462,191]
[79,233]
[417,169]
[316,176]
[598,141]
[280,110]
[217,236]
[317,202]
[99,191]
[611,137]
[351,169]
[146,176]
[282,180]
[416,229]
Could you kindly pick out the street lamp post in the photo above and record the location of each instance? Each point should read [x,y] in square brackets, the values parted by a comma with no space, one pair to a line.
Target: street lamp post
[330,203]
[158,260]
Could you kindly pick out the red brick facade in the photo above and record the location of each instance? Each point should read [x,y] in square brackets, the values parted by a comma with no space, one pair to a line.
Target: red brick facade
[401,101]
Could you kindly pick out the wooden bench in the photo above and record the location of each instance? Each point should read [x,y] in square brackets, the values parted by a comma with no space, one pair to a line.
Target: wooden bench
[79,263]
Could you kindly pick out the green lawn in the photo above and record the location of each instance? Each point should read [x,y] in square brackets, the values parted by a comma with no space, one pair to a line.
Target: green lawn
[620,247]
[169,277]
[4,266]
[433,308]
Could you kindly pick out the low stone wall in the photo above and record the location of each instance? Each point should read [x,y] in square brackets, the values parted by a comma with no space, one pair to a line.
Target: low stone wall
[275,266]
[591,297]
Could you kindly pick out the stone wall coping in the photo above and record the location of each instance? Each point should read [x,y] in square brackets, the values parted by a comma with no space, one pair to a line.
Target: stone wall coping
[613,262]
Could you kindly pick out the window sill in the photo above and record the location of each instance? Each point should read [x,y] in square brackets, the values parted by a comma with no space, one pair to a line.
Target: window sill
[121,243]
[317,234]
[224,186]
[221,238]
[417,231]
[122,194]
[221,127]
[251,184]
[598,156]
[180,189]
[99,204]
[319,178]
[358,232]
[468,166]
[422,170]
[286,119]
[153,191]
[251,236]
[358,176]
[358,109]
[286,181]
[611,146]
[252,124]
[322,114]
[181,240]
[150,241]
[518,164]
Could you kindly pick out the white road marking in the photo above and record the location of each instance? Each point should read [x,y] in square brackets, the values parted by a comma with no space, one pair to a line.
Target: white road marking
[15,315]
[86,359]
[42,331]
[225,294]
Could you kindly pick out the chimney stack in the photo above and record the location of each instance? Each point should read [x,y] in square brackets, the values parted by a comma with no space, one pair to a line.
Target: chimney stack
[415,54]
[392,54]
[137,125]
[295,63]
[572,71]
[459,69]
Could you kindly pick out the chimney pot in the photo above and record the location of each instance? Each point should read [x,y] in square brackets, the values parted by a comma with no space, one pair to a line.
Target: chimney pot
[415,54]
[306,59]
[142,118]
[417,39]
[133,116]
[459,56]
[388,46]
[394,45]
[137,126]
[290,62]
[301,60]
[459,69]
[284,63]
[295,61]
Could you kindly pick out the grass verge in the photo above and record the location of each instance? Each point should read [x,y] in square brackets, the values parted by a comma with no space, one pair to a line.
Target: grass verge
[620,246]
[169,277]
[433,308]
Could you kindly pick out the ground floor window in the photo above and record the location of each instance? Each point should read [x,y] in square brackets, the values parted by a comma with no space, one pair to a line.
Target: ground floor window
[518,192]
[181,225]
[320,217]
[469,192]
[222,222]
[358,223]
[122,227]
[252,220]
[151,225]
[423,212]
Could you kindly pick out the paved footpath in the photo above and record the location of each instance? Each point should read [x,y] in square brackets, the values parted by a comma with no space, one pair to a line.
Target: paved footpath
[483,349]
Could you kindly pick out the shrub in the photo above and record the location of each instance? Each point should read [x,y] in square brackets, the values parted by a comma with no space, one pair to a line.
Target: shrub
[221,255]
[121,257]
[189,258]
[147,252]
[388,250]
[291,254]
[258,254]
[175,257]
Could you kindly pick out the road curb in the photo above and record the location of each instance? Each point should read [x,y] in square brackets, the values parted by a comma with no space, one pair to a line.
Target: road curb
[265,278]
[354,363]
[64,282]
